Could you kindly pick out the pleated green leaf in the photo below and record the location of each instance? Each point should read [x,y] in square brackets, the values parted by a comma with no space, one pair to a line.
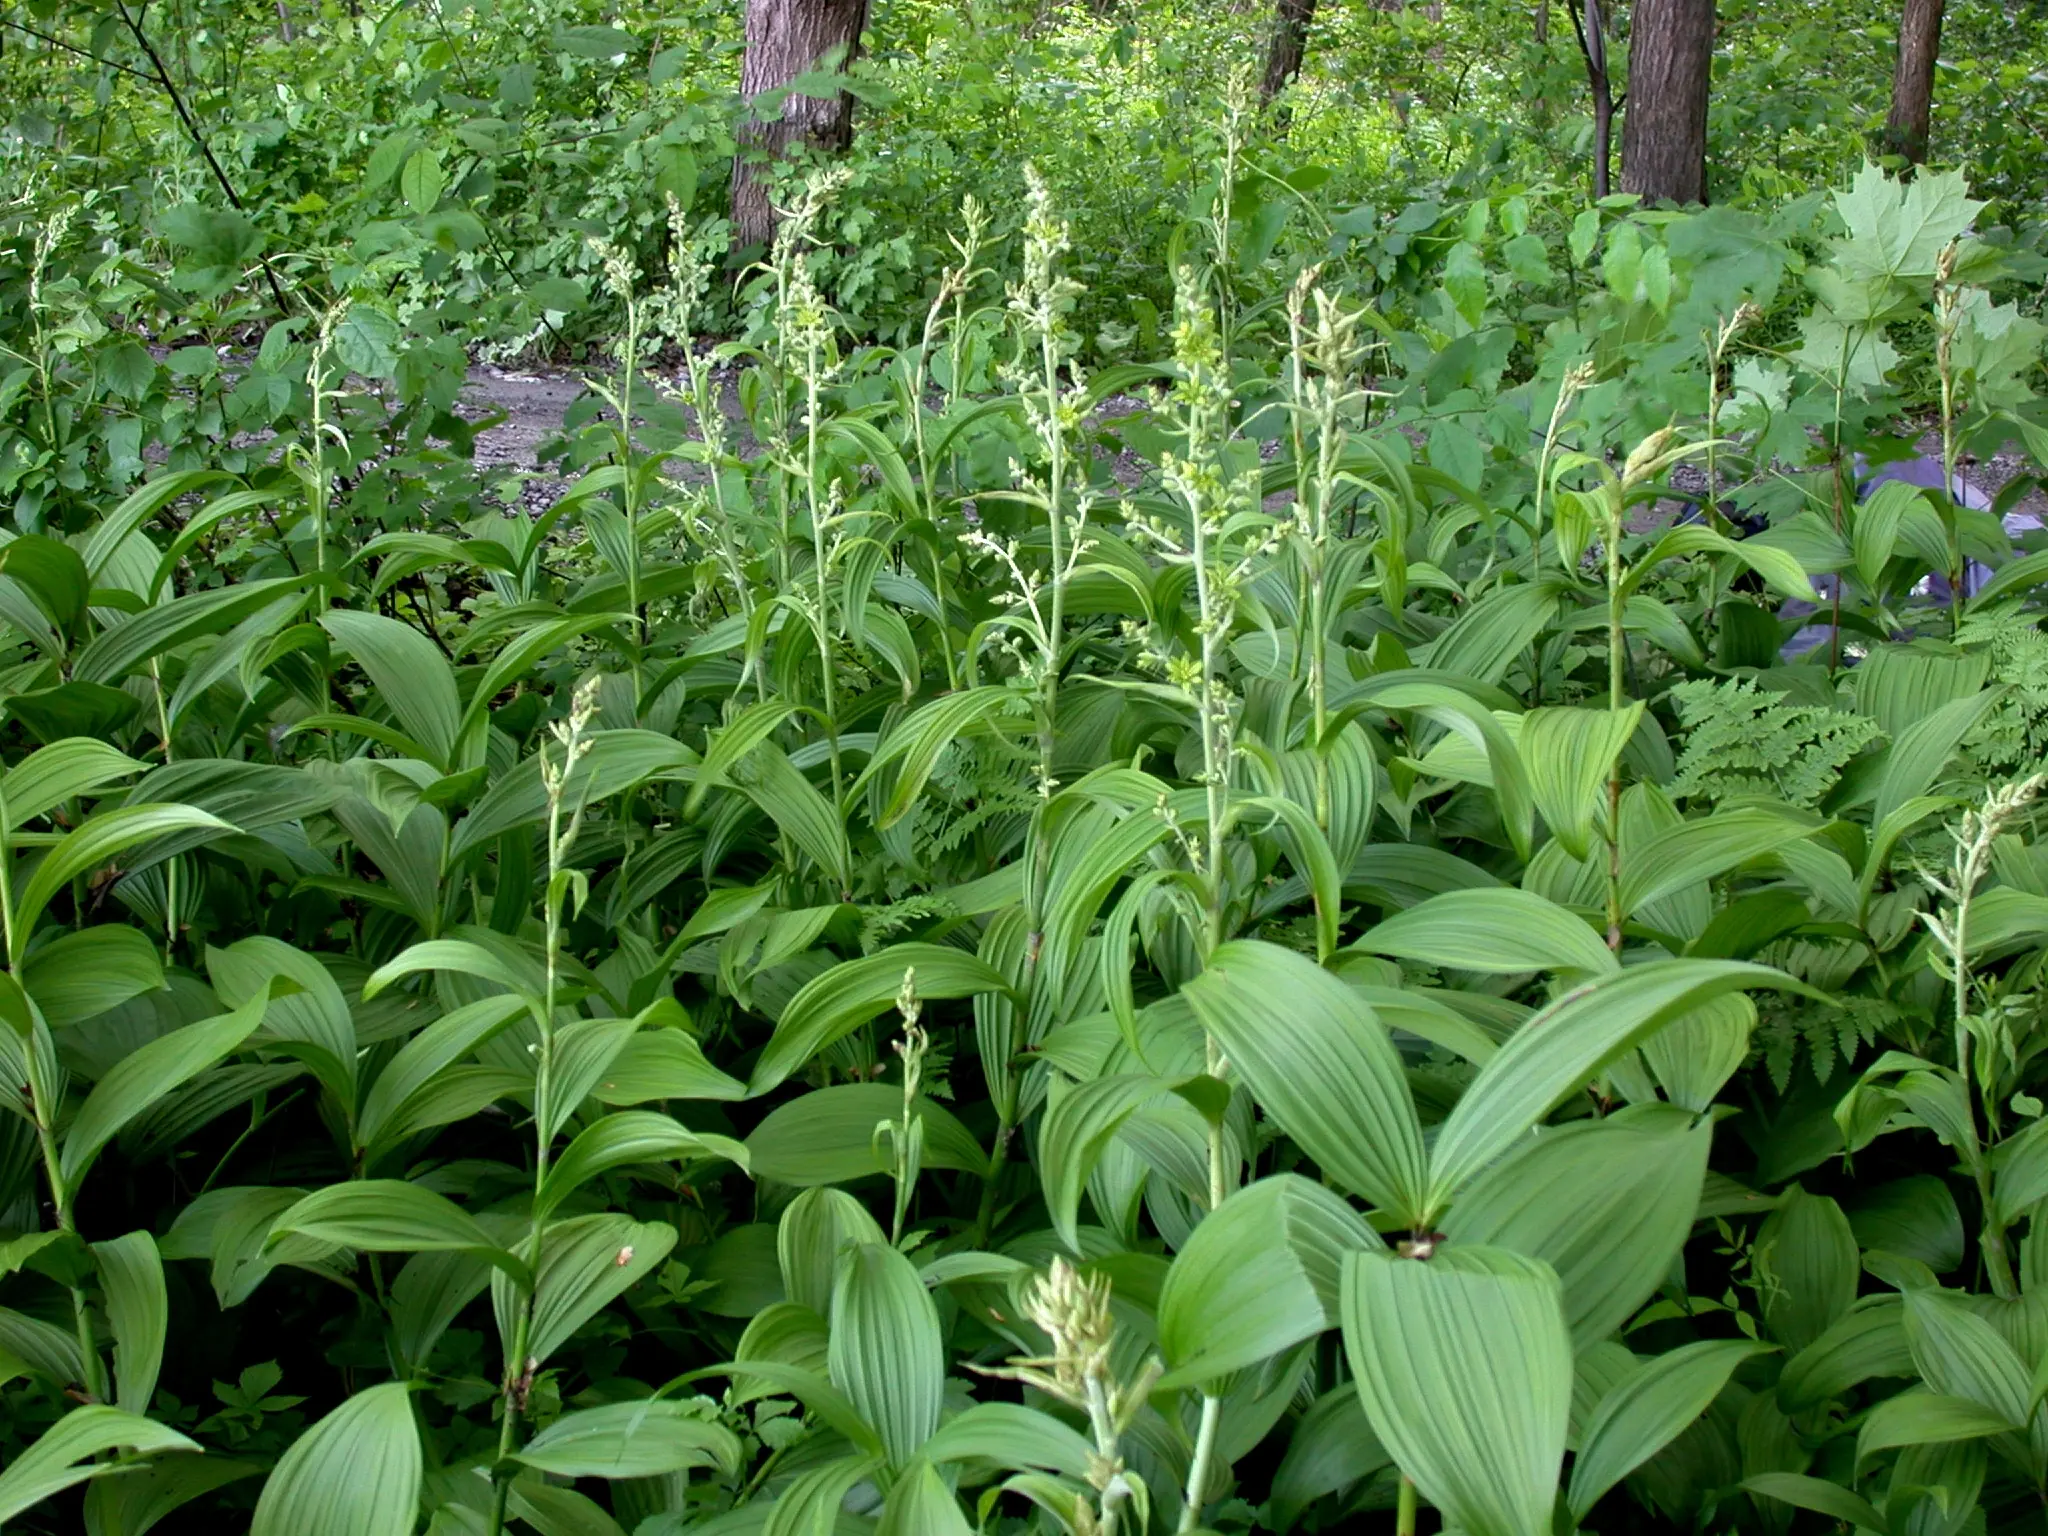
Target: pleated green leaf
[916,743]
[585,1264]
[1914,761]
[1011,1435]
[740,735]
[421,1060]
[1498,931]
[1329,1447]
[643,1439]
[842,999]
[1607,1204]
[619,1140]
[1648,1409]
[886,1354]
[1321,1064]
[1464,1365]
[828,1136]
[1260,1274]
[62,1456]
[799,810]
[63,770]
[1808,1252]
[1695,1054]
[1080,1124]
[1959,1354]
[810,1505]
[1870,1340]
[1562,1047]
[1818,1495]
[389,1216]
[411,675]
[613,762]
[95,844]
[811,1241]
[1926,1418]
[1696,851]
[1458,711]
[1569,753]
[138,1311]
[355,1473]
[145,1075]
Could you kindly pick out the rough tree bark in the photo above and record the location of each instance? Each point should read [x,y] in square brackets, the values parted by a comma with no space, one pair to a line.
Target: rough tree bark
[786,38]
[1664,130]
[1905,130]
[1286,46]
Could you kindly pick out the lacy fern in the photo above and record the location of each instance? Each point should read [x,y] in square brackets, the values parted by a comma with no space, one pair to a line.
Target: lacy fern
[1742,741]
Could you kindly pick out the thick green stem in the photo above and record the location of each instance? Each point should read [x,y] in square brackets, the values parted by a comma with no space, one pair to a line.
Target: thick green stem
[820,557]
[984,1216]
[1103,1422]
[1404,1510]
[1617,653]
[1055,623]
[518,1368]
[1198,1469]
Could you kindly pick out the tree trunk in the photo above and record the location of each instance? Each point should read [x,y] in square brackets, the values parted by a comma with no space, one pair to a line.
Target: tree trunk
[1664,131]
[1284,50]
[785,39]
[1591,33]
[1905,131]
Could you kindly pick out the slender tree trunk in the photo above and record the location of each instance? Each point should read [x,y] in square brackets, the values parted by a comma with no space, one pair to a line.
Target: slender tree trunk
[1286,46]
[1591,32]
[785,39]
[1905,131]
[1664,131]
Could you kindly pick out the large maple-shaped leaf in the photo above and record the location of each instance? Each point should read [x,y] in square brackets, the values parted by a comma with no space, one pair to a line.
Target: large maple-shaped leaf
[1997,346]
[1859,354]
[1897,228]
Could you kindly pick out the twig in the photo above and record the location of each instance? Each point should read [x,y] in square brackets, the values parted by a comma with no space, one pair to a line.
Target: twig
[83,53]
[163,77]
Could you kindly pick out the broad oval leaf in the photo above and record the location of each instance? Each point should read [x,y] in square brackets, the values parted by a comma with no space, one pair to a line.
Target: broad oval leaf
[63,1455]
[854,991]
[1260,1273]
[1464,1365]
[1561,1047]
[1498,931]
[1648,1409]
[355,1473]
[1606,1203]
[885,1352]
[643,1439]
[1314,1055]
